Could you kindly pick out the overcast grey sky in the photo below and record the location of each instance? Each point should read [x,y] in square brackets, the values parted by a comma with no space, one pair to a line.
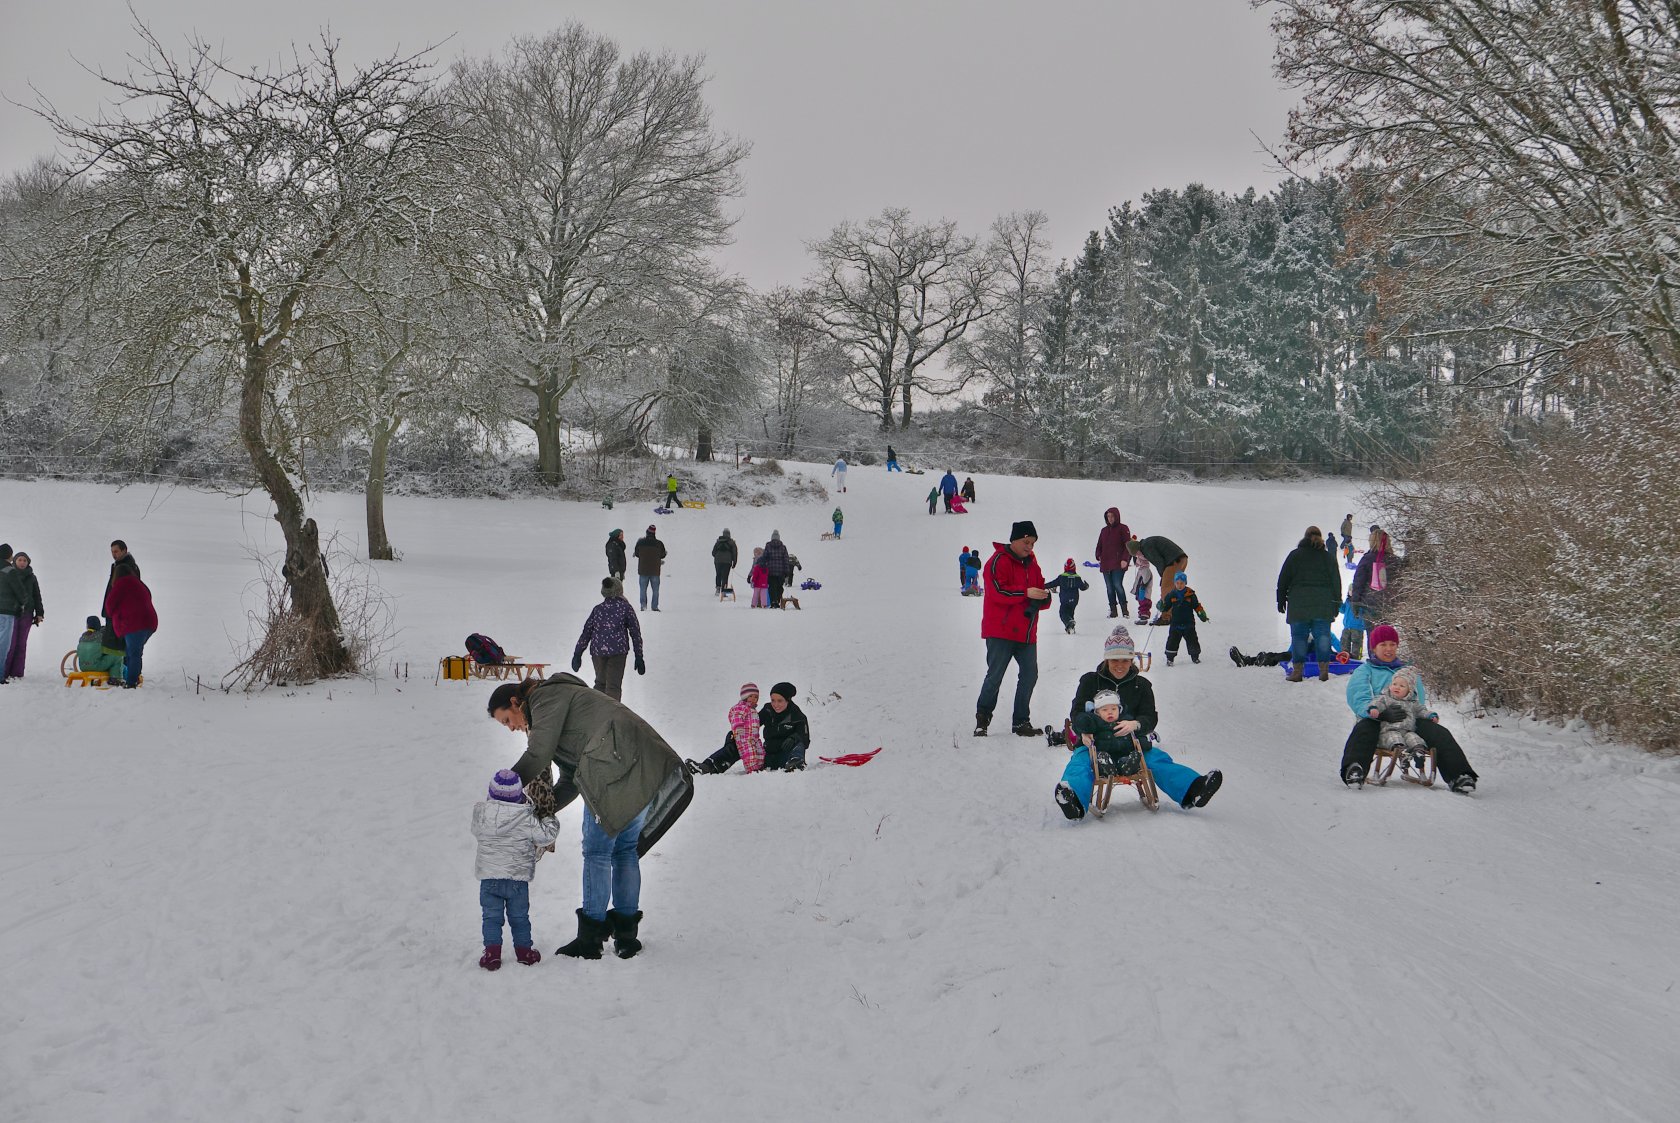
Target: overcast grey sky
[961,109]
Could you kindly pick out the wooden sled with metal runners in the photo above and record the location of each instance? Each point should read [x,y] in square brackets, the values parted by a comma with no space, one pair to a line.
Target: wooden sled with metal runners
[1417,766]
[1105,781]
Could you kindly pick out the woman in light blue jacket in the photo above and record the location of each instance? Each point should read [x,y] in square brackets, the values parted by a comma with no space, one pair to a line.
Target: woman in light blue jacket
[1365,687]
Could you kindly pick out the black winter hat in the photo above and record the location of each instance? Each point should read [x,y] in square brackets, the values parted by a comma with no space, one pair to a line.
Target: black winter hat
[785,689]
[1023,529]
[93,623]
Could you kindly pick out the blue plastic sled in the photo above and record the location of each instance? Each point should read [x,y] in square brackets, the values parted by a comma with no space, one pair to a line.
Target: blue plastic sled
[1309,669]
[1092,565]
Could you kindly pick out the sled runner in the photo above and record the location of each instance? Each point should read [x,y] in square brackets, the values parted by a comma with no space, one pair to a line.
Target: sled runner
[1416,766]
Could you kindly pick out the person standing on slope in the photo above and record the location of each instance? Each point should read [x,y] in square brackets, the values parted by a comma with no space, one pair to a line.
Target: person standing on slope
[839,474]
[1014,592]
[1309,593]
[1167,556]
[725,556]
[948,488]
[650,559]
[1113,557]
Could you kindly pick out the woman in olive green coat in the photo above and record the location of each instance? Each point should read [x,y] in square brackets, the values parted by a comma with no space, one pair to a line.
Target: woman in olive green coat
[633,784]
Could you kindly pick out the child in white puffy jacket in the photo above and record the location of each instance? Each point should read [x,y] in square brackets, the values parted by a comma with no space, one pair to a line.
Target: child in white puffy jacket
[510,839]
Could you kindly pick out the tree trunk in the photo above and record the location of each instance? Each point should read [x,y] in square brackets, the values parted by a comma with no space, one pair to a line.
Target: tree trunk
[379,544]
[546,425]
[305,570]
[904,419]
[703,445]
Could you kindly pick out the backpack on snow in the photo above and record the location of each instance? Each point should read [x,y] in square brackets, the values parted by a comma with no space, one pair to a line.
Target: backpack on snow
[483,649]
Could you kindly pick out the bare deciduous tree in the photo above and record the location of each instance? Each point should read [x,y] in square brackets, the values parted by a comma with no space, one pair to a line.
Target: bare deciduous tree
[1517,157]
[222,203]
[1007,349]
[602,182]
[895,294]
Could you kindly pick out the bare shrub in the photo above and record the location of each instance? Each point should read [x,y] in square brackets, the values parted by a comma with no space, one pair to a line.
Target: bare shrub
[1543,573]
[759,468]
[281,649]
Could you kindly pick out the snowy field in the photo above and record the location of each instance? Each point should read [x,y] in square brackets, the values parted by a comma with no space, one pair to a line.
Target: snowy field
[225,908]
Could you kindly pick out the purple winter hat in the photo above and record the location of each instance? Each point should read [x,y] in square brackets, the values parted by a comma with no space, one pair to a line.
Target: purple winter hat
[507,787]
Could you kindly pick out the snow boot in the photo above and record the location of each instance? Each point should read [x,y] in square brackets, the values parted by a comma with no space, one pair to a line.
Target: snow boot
[1354,776]
[981,721]
[1324,673]
[1237,656]
[695,767]
[1464,785]
[625,943]
[1295,673]
[527,956]
[1113,611]
[1202,789]
[1068,800]
[591,935]
[491,960]
[1025,729]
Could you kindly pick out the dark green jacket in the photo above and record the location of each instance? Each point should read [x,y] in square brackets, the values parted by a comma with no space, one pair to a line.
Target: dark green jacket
[606,753]
[1309,584]
[14,591]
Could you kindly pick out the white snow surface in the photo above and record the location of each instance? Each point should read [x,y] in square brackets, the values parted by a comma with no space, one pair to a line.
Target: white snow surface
[231,907]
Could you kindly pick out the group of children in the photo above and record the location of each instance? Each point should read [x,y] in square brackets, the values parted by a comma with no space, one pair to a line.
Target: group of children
[968,572]
[1179,609]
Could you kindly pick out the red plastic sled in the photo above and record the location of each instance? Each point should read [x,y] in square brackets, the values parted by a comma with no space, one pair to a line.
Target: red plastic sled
[855,760]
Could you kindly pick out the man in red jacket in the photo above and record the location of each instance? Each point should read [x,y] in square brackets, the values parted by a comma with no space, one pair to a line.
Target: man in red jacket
[1014,595]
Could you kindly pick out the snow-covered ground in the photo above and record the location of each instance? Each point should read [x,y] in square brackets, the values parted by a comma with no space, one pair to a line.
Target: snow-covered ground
[219,907]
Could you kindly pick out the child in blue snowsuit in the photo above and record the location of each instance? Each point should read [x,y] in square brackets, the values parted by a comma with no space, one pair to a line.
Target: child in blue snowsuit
[968,566]
[1181,608]
[1067,587]
[1137,720]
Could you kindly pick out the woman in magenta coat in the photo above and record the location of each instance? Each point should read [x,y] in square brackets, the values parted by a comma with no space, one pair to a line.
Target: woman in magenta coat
[129,607]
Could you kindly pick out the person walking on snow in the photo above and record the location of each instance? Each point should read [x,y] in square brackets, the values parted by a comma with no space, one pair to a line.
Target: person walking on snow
[778,566]
[1180,608]
[892,461]
[616,564]
[650,559]
[933,500]
[1113,557]
[948,488]
[510,840]
[1068,586]
[1137,719]
[672,501]
[725,555]
[609,632]
[1309,594]
[839,474]
[839,520]
[1014,595]
[758,579]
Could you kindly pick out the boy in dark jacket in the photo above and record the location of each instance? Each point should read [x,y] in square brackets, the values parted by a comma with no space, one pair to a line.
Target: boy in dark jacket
[787,735]
[1067,587]
[1179,609]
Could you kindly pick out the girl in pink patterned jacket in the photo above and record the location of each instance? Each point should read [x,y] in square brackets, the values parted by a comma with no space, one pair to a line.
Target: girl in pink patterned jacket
[745,742]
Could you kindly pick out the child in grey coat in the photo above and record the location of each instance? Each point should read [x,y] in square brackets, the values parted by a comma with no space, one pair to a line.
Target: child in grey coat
[1399,710]
[510,839]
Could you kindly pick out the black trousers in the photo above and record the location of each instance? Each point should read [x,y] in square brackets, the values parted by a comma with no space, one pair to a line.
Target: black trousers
[727,756]
[1449,758]
[1186,632]
[1067,614]
[776,584]
[722,581]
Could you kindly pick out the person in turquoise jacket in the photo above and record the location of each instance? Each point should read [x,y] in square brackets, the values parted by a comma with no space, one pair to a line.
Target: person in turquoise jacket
[91,655]
[1366,686]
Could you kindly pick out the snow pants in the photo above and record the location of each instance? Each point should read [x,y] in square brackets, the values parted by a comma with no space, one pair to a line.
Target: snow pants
[1187,633]
[1173,778]
[1449,758]
[1067,613]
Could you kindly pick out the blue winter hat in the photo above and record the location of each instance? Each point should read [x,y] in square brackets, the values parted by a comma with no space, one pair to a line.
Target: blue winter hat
[1179,576]
[507,787]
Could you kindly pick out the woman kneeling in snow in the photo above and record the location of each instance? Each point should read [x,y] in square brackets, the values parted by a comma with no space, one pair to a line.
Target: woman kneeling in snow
[1119,674]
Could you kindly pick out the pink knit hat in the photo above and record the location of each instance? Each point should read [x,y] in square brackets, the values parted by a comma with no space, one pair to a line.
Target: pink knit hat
[748,688]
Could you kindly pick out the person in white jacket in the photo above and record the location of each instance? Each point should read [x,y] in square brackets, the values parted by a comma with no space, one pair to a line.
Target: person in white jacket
[839,474]
[510,839]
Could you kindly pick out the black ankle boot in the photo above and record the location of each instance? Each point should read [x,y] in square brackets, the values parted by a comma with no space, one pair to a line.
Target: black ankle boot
[624,927]
[591,935]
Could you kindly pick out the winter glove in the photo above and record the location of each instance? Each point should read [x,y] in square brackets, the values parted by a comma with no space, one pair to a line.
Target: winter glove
[577,660]
[1203,615]
[1394,713]
[641,667]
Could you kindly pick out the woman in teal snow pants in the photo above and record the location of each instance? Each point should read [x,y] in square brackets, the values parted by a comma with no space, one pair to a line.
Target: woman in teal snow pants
[1138,718]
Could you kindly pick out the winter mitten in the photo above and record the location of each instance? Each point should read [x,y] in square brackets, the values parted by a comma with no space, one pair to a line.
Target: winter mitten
[641,666]
[527,956]
[577,662]
[1394,713]
[491,960]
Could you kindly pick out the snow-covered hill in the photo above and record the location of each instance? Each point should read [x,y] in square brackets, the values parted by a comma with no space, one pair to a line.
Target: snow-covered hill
[220,907]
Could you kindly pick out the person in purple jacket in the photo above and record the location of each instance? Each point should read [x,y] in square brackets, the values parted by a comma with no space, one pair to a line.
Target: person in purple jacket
[608,633]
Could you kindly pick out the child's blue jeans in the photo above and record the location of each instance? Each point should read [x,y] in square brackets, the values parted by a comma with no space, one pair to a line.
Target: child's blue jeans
[499,894]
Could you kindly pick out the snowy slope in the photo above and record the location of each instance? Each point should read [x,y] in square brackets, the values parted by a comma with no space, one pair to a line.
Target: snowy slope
[221,907]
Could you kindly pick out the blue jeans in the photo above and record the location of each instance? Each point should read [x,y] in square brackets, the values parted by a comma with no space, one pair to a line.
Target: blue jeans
[1114,580]
[643,581]
[1318,631]
[135,642]
[612,873]
[7,624]
[1173,778]
[998,654]
[499,894]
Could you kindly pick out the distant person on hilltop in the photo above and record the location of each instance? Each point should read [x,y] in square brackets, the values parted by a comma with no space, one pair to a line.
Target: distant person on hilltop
[968,489]
[839,474]
[725,555]
[650,560]
[892,460]
[948,488]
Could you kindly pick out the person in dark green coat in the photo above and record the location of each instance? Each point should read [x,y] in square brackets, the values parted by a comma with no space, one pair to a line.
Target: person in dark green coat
[633,784]
[1309,593]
